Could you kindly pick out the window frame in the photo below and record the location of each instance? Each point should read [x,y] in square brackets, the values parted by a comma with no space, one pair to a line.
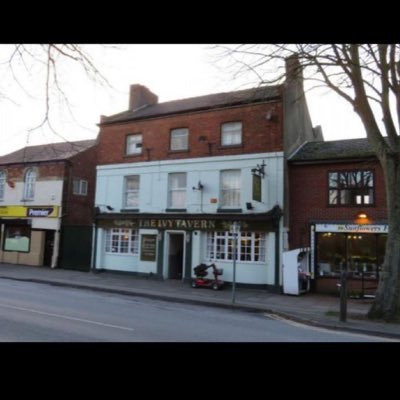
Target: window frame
[223,205]
[3,180]
[82,183]
[117,237]
[127,147]
[29,184]
[177,131]
[352,190]
[225,124]
[129,191]
[172,190]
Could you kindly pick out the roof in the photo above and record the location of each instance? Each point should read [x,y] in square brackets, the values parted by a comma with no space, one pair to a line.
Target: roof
[333,150]
[47,152]
[209,101]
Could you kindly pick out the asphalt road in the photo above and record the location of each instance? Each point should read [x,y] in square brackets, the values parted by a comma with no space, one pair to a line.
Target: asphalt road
[31,312]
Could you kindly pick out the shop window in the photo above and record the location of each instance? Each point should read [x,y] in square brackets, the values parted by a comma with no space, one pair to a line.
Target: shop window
[122,241]
[17,238]
[352,188]
[179,139]
[250,246]
[3,178]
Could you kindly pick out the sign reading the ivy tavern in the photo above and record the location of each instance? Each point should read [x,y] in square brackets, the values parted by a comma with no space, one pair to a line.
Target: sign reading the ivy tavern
[148,248]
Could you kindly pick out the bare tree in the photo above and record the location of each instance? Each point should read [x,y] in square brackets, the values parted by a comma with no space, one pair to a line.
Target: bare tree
[47,65]
[367,76]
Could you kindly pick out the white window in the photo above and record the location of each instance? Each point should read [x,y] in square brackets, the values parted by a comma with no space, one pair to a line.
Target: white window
[179,139]
[122,241]
[231,133]
[230,188]
[80,186]
[132,184]
[134,144]
[177,190]
[250,246]
[3,179]
[29,189]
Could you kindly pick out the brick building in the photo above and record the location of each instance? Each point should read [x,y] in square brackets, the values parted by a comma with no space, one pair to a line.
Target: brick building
[338,209]
[46,204]
[173,177]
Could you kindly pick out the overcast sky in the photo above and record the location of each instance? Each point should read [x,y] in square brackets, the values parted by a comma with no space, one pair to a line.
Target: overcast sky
[170,71]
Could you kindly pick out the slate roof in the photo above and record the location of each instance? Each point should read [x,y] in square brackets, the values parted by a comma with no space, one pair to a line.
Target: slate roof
[47,152]
[333,150]
[210,101]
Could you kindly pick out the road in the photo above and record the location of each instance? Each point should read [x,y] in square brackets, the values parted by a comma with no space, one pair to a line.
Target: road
[31,312]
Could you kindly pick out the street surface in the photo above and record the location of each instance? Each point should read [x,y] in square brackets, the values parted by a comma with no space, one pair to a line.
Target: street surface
[31,312]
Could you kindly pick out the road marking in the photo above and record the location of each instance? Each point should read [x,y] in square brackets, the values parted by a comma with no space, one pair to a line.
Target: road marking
[303,325]
[88,321]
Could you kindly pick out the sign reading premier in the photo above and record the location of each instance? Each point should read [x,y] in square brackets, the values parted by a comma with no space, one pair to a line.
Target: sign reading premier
[40,212]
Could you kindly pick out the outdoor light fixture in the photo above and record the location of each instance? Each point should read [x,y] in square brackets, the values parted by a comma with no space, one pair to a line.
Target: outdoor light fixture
[362,215]
[249,206]
[199,186]
[259,170]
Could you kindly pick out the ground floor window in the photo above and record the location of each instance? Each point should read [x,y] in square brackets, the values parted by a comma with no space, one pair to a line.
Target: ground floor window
[363,252]
[122,241]
[250,246]
[17,238]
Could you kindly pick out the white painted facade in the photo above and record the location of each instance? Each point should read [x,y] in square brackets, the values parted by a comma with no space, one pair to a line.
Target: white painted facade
[153,199]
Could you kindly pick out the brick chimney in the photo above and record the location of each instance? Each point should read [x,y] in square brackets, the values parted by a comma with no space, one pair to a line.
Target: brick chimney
[294,71]
[141,96]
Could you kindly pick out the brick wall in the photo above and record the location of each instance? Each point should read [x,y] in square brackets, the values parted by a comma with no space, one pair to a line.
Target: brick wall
[259,134]
[16,173]
[309,198]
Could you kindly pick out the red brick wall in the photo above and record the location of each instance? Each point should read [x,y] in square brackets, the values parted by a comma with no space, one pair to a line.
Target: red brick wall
[259,134]
[309,198]
[78,209]
[16,173]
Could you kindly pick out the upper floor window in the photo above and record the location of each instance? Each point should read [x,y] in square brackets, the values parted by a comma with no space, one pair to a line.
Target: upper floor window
[352,188]
[30,180]
[3,178]
[179,139]
[80,186]
[230,188]
[132,184]
[134,144]
[231,133]
[177,190]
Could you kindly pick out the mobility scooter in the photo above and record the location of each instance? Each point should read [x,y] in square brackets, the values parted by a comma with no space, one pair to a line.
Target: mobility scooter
[201,281]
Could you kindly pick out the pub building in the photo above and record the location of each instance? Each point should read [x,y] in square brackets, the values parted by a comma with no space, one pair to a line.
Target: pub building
[338,210]
[175,178]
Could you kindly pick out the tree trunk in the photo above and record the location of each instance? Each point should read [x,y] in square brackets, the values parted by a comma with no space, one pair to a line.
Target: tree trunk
[387,301]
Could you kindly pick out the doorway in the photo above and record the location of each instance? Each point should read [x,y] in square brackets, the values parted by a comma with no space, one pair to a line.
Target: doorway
[48,248]
[175,255]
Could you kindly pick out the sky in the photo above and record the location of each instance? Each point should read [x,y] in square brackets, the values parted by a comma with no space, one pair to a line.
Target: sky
[170,71]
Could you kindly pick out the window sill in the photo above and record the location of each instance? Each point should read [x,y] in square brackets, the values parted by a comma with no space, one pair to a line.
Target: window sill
[229,210]
[231,146]
[133,155]
[178,151]
[183,210]
[129,210]
[24,200]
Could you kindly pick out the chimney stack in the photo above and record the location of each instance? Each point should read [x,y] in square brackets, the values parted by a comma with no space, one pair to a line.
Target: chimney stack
[141,96]
[294,70]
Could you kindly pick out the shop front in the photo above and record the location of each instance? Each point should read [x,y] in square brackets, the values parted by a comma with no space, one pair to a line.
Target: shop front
[169,246]
[29,235]
[357,248]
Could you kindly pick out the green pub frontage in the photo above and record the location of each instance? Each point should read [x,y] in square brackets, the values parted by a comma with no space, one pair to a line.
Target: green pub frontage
[169,246]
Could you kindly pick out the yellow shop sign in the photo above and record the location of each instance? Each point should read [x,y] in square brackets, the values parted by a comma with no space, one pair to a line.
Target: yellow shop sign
[30,212]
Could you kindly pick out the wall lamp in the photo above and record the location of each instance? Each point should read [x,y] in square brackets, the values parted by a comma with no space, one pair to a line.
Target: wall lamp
[100,207]
[199,186]
[259,170]
[362,215]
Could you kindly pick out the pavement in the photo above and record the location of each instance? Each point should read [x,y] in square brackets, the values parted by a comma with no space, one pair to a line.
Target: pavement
[312,309]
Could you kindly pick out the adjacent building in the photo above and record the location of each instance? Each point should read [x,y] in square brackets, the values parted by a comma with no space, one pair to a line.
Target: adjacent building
[338,209]
[179,182]
[46,205]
